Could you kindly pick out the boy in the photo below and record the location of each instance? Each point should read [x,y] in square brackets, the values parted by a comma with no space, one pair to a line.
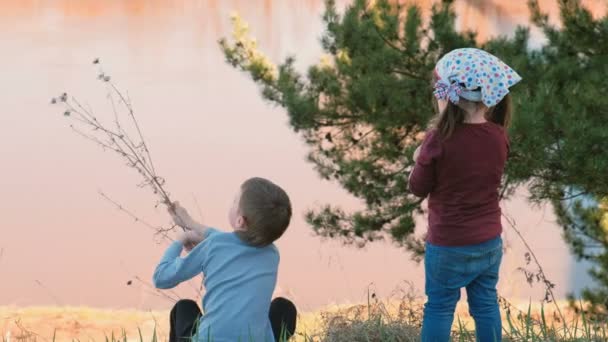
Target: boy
[239,268]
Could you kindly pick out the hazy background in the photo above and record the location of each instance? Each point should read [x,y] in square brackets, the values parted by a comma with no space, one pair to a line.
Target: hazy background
[208,131]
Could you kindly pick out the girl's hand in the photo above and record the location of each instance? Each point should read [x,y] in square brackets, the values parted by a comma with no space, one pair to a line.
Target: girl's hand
[417,153]
[190,239]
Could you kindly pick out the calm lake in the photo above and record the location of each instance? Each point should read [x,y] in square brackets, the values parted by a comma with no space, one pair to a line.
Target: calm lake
[208,130]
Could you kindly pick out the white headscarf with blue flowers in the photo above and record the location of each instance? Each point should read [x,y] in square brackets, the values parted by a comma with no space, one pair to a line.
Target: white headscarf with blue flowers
[474,75]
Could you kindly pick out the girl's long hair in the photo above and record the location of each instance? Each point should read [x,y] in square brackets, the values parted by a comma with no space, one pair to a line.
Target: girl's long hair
[454,114]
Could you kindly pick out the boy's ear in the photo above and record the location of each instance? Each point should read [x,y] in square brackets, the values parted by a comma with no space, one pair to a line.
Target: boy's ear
[241,224]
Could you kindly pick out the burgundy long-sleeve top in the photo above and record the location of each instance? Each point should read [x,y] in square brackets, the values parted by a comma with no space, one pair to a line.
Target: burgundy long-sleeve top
[461,176]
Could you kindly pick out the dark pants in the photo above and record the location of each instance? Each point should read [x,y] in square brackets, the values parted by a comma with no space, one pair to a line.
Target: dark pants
[185,314]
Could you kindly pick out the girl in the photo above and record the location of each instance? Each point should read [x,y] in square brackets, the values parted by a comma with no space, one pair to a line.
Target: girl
[459,166]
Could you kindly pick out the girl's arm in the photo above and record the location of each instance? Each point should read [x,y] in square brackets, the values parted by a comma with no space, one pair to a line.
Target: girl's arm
[422,178]
[415,157]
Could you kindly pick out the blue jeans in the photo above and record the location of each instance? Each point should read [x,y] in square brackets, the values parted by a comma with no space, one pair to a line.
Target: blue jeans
[447,270]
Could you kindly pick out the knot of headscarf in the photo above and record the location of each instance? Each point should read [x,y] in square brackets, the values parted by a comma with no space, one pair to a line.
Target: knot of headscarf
[447,91]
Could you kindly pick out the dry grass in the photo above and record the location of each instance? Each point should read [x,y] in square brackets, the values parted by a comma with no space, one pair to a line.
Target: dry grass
[397,319]
[78,323]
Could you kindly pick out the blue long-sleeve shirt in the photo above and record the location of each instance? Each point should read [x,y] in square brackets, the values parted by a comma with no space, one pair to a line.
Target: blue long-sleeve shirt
[239,281]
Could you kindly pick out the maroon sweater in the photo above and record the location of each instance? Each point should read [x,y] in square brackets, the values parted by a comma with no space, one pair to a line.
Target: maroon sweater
[461,176]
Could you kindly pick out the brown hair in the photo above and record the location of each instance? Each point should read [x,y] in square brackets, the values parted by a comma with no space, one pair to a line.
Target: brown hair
[454,114]
[266,209]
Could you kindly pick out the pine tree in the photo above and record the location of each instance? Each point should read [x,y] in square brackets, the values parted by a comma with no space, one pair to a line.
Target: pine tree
[564,127]
[363,110]
[365,107]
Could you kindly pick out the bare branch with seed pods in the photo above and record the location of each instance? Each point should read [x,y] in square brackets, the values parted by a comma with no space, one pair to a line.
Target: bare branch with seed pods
[539,275]
[123,136]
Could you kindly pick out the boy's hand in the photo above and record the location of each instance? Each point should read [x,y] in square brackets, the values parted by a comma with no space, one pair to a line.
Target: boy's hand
[181,217]
[190,239]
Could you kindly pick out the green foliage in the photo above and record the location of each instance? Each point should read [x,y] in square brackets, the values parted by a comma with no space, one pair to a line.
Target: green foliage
[364,108]
[569,123]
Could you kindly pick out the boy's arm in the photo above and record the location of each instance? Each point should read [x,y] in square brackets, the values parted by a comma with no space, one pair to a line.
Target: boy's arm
[172,269]
[183,219]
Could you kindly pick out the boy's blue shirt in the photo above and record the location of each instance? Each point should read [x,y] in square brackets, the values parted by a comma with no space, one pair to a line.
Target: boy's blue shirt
[239,281]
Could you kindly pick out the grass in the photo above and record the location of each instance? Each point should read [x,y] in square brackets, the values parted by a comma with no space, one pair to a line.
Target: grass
[376,321]
[380,324]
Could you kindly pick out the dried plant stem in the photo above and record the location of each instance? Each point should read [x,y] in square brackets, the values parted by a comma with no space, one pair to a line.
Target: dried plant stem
[119,142]
[543,277]
[49,292]
[169,295]
[530,253]
[58,303]
[132,115]
[158,229]
[198,207]
[132,148]
[27,334]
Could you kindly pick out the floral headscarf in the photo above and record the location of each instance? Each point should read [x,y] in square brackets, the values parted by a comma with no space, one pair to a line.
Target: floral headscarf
[474,75]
